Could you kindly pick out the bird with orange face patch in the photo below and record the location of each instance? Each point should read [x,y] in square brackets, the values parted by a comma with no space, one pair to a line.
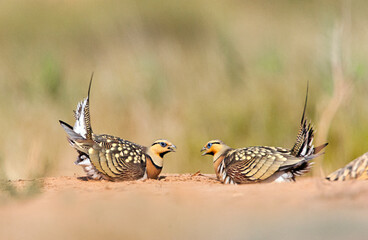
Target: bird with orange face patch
[112,158]
[262,163]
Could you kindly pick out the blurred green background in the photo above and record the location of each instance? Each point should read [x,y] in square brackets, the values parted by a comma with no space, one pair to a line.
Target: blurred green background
[188,71]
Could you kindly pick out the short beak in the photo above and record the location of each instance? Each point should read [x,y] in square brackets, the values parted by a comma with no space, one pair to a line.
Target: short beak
[172,148]
[203,149]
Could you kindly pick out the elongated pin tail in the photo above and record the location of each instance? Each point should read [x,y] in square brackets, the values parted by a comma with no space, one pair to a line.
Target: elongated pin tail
[87,117]
[305,104]
[303,144]
[90,84]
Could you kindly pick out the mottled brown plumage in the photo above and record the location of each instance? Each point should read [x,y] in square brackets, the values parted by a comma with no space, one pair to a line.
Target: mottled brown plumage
[356,169]
[256,164]
[117,159]
[109,157]
[262,163]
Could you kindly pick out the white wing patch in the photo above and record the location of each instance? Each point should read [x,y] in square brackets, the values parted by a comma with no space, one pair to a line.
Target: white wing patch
[81,128]
[286,177]
[80,124]
[87,166]
[85,162]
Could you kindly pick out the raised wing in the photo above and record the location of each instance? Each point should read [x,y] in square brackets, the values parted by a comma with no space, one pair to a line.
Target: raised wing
[82,124]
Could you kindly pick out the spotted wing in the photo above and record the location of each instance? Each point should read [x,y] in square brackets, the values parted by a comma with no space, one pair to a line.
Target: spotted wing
[255,164]
[118,159]
[357,169]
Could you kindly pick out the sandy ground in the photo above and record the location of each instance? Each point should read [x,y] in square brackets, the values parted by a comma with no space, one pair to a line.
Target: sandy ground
[186,207]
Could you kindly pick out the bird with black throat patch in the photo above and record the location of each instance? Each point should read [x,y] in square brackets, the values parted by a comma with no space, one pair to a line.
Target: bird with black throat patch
[262,163]
[112,158]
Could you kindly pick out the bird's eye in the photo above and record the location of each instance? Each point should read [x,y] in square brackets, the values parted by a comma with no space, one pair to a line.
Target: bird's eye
[163,144]
[209,145]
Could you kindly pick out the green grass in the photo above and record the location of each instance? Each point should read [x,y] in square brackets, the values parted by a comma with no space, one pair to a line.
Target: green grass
[186,71]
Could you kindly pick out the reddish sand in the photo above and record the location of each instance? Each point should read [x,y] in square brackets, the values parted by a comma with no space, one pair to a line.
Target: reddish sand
[186,207]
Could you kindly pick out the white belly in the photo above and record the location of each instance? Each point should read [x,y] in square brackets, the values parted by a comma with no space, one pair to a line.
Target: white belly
[90,170]
[286,177]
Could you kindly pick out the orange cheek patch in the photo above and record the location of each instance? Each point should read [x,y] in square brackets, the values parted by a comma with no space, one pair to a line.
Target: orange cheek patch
[215,148]
[157,150]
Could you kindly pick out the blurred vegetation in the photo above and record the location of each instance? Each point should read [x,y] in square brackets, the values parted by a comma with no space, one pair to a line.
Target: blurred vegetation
[188,71]
[23,189]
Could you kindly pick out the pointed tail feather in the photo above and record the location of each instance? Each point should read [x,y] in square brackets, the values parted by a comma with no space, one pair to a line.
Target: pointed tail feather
[303,146]
[87,117]
[304,141]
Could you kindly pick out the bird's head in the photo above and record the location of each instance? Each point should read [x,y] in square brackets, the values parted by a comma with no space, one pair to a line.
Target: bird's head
[213,147]
[161,147]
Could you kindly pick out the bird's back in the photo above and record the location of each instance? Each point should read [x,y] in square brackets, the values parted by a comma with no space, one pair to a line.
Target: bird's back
[257,164]
[116,158]
[356,169]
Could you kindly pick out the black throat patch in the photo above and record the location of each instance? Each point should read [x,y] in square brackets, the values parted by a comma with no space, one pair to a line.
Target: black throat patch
[163,154]
[153,163]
